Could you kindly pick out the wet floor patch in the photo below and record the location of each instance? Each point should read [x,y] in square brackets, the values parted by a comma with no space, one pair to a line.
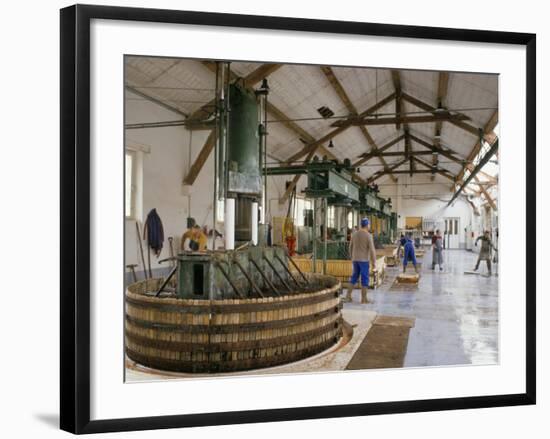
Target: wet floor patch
[385,345]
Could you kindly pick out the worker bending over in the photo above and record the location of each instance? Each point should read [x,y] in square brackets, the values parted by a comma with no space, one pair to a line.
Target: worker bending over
[409,254]
[361,250]
[402,242]
[485,251]
[197,239]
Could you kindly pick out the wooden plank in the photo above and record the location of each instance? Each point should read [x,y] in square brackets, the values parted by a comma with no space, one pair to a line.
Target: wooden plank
[445,117]
[443,85]
[260,73]
[396,79]
[201,159]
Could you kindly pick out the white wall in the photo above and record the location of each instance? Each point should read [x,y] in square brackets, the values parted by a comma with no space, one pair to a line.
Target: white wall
[419,196]
[164,168]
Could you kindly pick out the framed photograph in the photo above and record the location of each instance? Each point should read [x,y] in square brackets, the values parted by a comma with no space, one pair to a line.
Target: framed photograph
[275,218]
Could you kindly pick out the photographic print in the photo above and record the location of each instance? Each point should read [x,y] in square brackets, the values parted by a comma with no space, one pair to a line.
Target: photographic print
[296,218]
[252,204]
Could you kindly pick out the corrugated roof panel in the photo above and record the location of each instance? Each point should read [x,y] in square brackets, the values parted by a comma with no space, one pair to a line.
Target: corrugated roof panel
[361,83]
[420,84]
[299,90]
[152,67]
[467,91]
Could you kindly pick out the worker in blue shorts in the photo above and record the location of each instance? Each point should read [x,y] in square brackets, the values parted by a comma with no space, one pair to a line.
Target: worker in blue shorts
[409,254]
[361,249]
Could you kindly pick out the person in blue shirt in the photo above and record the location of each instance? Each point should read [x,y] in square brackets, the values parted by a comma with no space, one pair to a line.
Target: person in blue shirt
[409,254]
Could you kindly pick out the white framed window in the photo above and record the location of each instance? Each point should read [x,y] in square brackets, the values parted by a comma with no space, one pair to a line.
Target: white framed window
[300,205]
[350,220]
[220,211]
[331,216]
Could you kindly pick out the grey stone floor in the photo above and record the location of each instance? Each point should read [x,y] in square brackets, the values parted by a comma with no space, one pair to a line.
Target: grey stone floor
[456,313]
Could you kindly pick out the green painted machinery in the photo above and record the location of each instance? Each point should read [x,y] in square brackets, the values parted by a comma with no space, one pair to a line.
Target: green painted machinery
[245,273]
[243,147]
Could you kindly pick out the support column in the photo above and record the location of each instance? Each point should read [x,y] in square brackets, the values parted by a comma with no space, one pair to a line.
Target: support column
[254,222]
[229,224]
[325,234]
[314,236]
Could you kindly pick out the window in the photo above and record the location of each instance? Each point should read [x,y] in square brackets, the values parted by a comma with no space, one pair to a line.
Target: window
[331,220]
[300,205]
[220,213]
[350,220]
[130,185]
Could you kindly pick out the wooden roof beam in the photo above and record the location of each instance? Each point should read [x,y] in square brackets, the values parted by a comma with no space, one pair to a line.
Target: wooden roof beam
[445,117]
[429,108]
[201,159]
[488,135]
[396,79]
[380,152]
[352,109]
[439,171]
[448,154]
[483,190]
[382,172]
[344,126]
[442,87]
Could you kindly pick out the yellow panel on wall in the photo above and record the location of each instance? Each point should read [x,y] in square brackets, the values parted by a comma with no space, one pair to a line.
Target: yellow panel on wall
[413,222]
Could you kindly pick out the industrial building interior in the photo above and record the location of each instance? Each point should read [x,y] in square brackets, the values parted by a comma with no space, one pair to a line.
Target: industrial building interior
[244,182]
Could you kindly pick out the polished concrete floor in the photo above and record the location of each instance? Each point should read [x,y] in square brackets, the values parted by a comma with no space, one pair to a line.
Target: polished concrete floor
[456,313]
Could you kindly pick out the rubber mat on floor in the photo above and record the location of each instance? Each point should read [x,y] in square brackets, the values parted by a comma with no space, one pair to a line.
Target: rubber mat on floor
[403,287]
[384,346]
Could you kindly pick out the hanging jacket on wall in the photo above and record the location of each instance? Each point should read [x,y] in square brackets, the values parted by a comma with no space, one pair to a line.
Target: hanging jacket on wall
[153,232]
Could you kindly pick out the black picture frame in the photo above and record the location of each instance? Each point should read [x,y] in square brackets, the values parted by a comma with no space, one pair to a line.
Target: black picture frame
[75,217]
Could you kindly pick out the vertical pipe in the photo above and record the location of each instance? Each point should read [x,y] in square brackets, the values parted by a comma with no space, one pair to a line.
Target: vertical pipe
[227,109]
[325,234]
[262,93]
[314,235]
[229,223]
[216,158]
[265,157]
[254,222]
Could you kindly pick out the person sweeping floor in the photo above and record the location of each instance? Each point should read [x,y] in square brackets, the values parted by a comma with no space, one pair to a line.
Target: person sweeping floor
[485,251]
[361,250]
[409,253]
[437,250]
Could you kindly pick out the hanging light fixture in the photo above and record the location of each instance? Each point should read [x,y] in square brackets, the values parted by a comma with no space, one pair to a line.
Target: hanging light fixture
[330,144]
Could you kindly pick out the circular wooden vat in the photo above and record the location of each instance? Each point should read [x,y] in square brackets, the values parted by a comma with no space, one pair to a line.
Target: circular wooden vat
[204,336]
